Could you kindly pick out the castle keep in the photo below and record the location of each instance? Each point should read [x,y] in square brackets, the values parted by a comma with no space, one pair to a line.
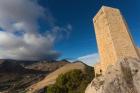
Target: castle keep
[113,38]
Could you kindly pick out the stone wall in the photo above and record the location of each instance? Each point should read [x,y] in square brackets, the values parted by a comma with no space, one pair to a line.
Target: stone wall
[113,37]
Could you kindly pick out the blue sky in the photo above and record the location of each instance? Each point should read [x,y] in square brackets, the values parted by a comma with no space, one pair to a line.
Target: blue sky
[79,13]
[57,29]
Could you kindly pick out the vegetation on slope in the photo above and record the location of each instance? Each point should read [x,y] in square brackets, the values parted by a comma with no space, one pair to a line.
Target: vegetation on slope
[74,81]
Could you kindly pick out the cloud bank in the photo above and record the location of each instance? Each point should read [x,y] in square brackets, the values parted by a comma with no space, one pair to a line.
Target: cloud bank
[20,37]
[90,59]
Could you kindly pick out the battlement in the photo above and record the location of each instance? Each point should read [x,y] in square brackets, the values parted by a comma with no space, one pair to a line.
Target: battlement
[113,37]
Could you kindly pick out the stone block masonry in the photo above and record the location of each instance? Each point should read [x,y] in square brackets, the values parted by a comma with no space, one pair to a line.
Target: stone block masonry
[113,38]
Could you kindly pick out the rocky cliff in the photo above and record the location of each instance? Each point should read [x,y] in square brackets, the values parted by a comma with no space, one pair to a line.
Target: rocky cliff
[123,77]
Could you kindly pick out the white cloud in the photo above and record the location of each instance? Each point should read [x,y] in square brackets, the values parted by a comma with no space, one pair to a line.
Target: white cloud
[20,38]
[90,59]
[16,11]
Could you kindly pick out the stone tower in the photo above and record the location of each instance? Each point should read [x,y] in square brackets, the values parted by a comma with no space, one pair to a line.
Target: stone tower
[113,38]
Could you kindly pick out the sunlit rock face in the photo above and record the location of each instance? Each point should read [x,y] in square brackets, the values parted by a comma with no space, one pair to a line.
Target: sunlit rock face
[123,77]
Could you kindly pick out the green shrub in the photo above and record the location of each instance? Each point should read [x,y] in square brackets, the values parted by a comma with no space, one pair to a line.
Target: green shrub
[53,89]
[74,81]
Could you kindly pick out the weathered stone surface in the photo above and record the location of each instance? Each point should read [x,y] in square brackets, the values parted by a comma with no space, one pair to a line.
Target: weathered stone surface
[123,77]
[139,51]
[97,68]
[113,37]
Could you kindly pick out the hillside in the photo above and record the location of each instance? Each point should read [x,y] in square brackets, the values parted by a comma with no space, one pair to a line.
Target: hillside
[33,77]
[15,75]
[74,81]
[51,78]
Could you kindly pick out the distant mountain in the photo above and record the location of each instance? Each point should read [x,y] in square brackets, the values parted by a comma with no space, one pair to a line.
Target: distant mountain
[47,65]
[23,62]
[17,68]
[16,75]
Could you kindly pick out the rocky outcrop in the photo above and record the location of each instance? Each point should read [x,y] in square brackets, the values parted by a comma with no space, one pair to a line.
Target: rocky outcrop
[123,77]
